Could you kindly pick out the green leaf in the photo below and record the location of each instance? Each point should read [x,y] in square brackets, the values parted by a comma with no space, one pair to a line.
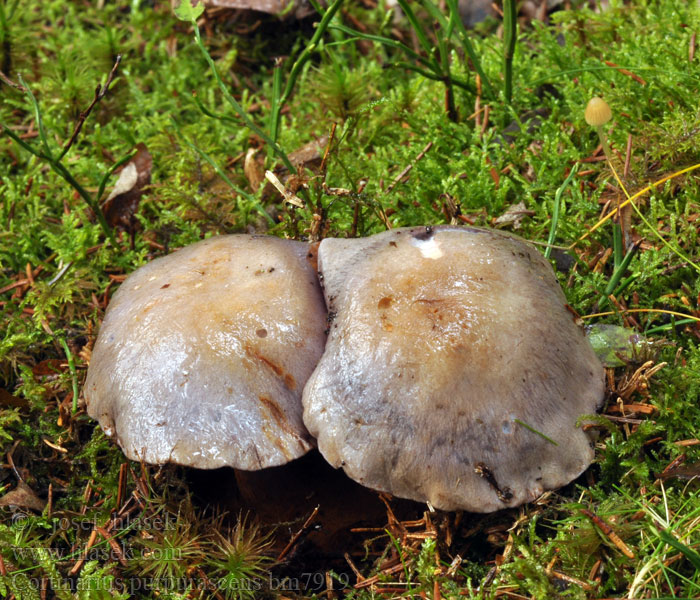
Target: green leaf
[187,12]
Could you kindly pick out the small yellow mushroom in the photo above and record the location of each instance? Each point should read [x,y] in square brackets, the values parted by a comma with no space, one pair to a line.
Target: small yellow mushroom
[597,114]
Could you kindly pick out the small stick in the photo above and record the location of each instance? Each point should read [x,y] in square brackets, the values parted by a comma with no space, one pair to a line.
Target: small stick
[78,565]
[407,170]
[390,571]
[121,491]
[354,568]
[21,88]
[114,545]
[485,122]
[298,534]
[637,78]
[14,285]
[86,497]
[685,443]
[30,275]
[329,586]
[100,92]
[608,531]
[628,157]
[673,464]
[49,502]
[691,48]
[572,580]
[12,462]
[331,137]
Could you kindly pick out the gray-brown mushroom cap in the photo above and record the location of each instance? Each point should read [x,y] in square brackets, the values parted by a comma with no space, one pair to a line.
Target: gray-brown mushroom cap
[453,371]
[203,355]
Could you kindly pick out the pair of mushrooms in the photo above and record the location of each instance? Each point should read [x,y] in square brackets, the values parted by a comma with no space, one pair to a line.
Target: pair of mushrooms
[443,366]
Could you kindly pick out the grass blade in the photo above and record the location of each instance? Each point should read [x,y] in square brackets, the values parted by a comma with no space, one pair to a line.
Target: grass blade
[556,209]
[469,49]
[510,36]
[692,556]
[237,107]
[220,172]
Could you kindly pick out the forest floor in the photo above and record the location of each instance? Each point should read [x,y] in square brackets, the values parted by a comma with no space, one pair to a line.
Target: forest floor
[387,124]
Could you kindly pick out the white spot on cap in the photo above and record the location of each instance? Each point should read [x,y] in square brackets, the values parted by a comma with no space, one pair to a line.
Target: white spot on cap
[428,248]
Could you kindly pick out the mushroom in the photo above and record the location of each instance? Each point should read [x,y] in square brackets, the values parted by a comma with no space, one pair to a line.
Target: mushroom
[203,355]
[597,114]
[454,373]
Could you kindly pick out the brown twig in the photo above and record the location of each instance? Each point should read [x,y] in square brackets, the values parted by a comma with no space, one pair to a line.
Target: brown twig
[691,47]
[288,548]
[485,122]
[637,78]
[673,464]
[686,443]
[407,170]
[354,568]
[79,563]
[331,138]
[628,157]
[572,580]
[8,81]
[121,490]
[390,571]
[100,92]
[114,545]
[609,532]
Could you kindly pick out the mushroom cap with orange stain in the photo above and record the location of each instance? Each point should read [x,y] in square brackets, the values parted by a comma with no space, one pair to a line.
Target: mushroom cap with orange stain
[203,355]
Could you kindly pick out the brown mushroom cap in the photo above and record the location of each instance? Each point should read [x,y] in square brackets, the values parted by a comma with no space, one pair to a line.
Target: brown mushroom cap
[453,371]
[203,355]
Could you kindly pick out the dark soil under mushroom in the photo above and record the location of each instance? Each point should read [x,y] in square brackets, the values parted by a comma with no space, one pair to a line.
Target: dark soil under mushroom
[283,498]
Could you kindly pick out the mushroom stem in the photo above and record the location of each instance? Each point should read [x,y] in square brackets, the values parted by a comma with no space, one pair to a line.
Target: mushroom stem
[604,143]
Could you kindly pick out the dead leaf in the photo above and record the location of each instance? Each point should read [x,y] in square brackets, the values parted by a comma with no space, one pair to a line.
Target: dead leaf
[23,497]
[254,170]
[309,156]
[9,400]
[514,216]
[691,471]
[122,203]
[50,366]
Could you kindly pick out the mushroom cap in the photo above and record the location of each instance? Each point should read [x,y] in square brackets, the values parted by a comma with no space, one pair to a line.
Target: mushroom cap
[203,354]
[453,371]
[597,112]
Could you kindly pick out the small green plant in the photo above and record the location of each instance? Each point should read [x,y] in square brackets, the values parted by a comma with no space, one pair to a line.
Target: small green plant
[238,561]
[436,68]
[54,157]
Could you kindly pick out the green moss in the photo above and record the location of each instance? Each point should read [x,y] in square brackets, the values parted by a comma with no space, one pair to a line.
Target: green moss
[386,116]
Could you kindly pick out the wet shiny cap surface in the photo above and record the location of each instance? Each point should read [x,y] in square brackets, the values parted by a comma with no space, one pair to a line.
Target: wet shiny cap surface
[203,355]
[453,371]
